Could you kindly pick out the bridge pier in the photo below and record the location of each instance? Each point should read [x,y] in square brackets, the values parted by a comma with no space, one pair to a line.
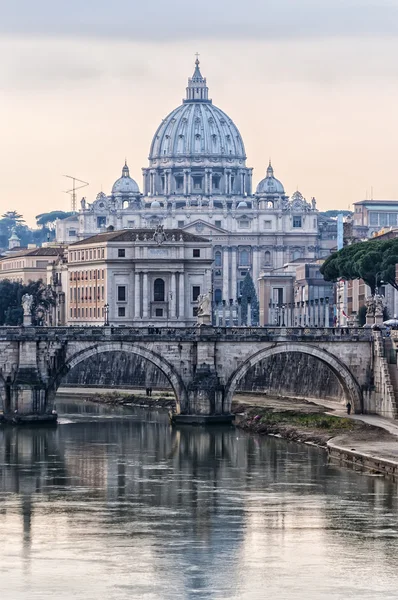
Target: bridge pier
[205,400]
[27,393]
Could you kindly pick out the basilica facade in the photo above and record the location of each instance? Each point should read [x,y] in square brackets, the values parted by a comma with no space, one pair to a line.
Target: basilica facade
[197,180]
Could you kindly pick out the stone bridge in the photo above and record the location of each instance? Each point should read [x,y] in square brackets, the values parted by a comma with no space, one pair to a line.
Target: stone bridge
[204,365]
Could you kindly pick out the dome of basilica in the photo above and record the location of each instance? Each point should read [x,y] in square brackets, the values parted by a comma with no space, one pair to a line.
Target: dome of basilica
[270,185]
[197,128]
[125,185]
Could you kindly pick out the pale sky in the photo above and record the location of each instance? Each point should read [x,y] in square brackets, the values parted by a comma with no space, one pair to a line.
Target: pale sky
[313,84]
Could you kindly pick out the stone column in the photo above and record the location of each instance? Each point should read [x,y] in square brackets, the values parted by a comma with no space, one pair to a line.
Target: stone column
[326,312]
[226,182]
[173,298]
[255,267]
[225,274]
[137,296]
[185,182]
[234,292]
[181,296]
[189,181]
[145,297]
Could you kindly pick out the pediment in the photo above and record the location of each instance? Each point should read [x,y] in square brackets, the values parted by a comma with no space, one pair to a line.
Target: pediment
[201,227]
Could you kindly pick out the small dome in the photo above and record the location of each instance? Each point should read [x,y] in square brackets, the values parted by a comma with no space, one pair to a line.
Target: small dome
[270,185]
[125,185]
[156,204]
[242,204]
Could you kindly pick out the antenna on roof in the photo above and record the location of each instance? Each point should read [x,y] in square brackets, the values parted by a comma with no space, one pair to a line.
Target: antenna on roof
[74,189]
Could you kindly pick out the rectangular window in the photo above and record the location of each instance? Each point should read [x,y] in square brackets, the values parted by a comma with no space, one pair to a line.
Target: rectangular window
[121,253]
[218,223]
[195,292]
[130,224]
[102,293]
[91,312]
[296,222]
[91,254]
[267,224]
[101,222]
[383,219]
[95,253]
[121,293]
[197,183]
[373,218]
[121,311]
[74,312]
[72,233]
[244,224]
[158,312]
[71,312]
[179,182]
[392,219]
[196,253]
[180,224]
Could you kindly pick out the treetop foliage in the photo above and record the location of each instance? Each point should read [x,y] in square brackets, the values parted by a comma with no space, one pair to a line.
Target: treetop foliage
[249,291]
[373,261]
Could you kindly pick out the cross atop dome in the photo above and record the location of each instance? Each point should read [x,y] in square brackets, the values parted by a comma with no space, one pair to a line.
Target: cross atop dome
[270,170]
[197,90]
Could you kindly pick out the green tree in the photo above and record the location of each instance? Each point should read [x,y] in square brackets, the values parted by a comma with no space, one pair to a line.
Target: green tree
[249,294]
[373,261]
[48,219]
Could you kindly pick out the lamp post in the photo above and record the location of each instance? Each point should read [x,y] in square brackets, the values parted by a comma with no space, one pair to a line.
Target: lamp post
[106,315]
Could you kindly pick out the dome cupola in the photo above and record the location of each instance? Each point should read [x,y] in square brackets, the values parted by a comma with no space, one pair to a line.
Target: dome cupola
[270,185]
[125,185]
[197,128]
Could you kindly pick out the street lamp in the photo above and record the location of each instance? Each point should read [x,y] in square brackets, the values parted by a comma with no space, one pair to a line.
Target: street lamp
[106,315]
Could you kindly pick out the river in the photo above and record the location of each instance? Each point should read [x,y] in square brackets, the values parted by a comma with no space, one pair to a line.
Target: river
[114,504]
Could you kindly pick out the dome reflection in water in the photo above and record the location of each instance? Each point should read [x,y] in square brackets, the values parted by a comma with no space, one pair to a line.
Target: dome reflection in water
[116,504]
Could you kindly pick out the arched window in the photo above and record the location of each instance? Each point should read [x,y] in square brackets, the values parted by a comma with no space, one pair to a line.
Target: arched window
[218,295]
[296,255]
[218,259]
[267,258]
[244,258]
[158,290]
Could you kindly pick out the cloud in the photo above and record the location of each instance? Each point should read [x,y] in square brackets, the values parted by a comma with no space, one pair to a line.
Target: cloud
[179,20]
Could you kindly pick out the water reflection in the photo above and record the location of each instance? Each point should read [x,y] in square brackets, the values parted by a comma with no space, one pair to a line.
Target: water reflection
[116,504]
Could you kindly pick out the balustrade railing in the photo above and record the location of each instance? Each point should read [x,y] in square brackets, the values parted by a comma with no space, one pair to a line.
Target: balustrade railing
[187,333]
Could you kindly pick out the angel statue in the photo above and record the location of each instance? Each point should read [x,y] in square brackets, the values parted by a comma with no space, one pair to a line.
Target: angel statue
[204,305]
[27,303]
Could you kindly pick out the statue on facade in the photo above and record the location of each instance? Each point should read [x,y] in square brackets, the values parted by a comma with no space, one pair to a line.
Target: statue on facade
[379,305]
[83,203]
[27,303]
[159,236]
[370,306]
[313,203]
[204,309]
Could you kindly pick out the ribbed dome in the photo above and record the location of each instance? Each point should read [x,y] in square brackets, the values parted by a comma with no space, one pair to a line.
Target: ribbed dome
[125,185]
[270,185]
[197,128]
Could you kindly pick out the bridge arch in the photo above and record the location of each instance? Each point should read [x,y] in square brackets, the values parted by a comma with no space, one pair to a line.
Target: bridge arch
[167,369]
[351,388]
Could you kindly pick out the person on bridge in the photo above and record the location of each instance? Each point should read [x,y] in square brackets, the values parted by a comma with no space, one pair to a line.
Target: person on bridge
[348,406]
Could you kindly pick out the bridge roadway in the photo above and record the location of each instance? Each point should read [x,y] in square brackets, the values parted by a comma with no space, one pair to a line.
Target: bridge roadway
[204,365]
